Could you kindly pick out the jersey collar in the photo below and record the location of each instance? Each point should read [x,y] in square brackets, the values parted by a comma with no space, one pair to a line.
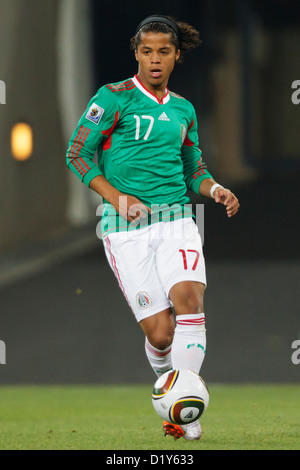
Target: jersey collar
[148,93]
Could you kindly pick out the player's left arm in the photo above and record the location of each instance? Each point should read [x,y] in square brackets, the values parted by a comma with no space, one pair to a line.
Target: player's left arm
[209,188]
[197,177]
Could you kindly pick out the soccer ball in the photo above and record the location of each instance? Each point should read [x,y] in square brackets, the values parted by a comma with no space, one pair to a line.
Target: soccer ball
[180,396]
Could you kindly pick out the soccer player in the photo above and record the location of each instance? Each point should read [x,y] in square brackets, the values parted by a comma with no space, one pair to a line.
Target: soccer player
[148,156]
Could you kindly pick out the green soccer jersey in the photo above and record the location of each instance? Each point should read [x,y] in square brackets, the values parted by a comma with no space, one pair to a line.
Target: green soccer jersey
[146,148]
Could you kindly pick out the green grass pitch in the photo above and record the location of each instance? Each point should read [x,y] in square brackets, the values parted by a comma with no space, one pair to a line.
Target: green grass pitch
[122,418]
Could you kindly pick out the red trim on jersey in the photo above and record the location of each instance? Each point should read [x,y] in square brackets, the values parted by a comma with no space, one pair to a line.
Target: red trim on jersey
[76,147]
[84,134]
[108,133]
[202,168]
[128,85]
[121,89]
[187,141]
[127,81]
[159,101]
[72,149]
[77,168]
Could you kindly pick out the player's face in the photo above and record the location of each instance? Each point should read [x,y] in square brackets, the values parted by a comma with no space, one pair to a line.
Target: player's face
[156,56]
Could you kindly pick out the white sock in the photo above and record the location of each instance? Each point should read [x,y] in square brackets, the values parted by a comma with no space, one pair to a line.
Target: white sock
[189,342]
[160,360]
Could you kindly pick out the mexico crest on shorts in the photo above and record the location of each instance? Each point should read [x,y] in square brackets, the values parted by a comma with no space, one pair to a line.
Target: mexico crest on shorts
[95,113]
[143,300]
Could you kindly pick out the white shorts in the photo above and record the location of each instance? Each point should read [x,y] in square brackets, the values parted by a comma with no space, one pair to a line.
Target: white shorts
[148,262]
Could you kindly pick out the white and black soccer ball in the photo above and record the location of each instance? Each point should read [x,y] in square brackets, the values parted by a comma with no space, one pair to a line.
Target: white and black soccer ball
[180,396]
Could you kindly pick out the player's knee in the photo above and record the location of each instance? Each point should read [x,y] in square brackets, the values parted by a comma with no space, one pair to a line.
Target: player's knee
[191,303]
[161,340]
[187,298]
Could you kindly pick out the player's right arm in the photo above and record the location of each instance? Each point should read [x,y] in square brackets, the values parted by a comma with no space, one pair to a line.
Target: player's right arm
[93,129]
[129,207]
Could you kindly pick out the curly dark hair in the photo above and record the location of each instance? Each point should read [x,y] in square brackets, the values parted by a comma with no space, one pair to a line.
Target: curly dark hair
[188,36]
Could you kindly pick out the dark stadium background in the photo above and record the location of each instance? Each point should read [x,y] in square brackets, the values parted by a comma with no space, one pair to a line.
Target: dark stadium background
[62,316]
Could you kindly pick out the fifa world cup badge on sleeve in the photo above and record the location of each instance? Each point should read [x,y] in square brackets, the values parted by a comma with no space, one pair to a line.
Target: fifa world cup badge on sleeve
[95,113]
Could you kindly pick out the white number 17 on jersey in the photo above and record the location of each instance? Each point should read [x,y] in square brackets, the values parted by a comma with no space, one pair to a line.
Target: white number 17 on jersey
[138,126]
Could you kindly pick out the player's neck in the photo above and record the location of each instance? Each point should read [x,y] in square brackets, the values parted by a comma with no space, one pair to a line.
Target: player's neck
[158,90]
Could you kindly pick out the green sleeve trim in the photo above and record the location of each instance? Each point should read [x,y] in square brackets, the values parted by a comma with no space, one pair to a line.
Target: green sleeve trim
[195,185]
[91,174]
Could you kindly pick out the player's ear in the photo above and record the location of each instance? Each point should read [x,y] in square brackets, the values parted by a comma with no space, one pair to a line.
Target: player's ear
[136,55]
[177,55]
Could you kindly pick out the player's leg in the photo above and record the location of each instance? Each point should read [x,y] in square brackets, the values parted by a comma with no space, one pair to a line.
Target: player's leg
[159,331]
[181,268]
[159,328]
[189,343]
[132,259]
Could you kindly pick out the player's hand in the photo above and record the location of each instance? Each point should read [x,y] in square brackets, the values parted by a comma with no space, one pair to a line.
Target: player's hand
[228,199]
[132,209]
[129,207]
